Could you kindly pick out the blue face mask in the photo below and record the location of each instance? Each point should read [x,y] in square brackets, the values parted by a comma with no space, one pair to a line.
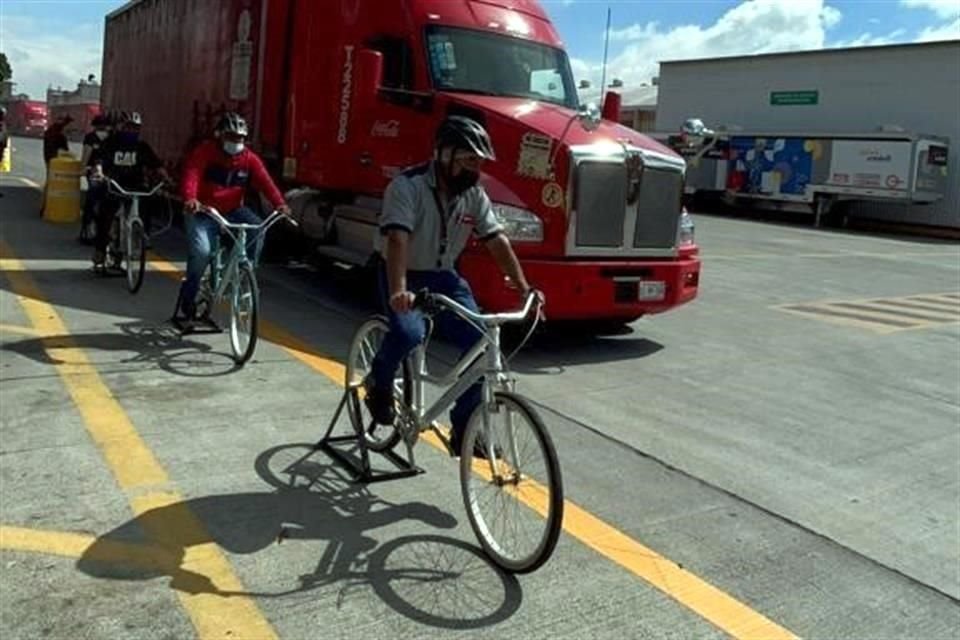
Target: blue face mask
[129,137]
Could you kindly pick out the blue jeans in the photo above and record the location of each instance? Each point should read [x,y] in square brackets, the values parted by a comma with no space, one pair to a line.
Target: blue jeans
[407,330]
[203,238]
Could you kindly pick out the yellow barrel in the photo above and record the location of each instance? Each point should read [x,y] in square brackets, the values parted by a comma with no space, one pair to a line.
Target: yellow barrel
[63,189]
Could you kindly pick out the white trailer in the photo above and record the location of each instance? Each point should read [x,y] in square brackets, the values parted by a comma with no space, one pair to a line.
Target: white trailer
[813,171]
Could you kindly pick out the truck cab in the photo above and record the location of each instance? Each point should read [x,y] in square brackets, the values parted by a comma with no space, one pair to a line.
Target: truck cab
[593,212]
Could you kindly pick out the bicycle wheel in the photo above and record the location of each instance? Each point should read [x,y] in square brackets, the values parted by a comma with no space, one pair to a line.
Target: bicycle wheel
[364,346]
[514,500]
[135,260]
[244,314]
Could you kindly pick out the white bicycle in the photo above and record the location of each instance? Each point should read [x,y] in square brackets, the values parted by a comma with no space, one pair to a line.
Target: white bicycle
[128,239]
[230,280]
[509,471]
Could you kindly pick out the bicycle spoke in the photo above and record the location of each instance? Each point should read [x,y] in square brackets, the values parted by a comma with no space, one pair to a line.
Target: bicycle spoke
[513,509]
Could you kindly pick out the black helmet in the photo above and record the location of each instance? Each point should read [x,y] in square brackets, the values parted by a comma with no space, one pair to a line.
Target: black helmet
[231,122]
[461,132]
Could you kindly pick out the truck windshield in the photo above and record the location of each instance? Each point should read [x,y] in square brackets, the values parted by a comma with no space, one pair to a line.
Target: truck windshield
[491,64]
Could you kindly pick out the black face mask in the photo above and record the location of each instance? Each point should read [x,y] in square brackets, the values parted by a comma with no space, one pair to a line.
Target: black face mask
[460,183]
[457,184]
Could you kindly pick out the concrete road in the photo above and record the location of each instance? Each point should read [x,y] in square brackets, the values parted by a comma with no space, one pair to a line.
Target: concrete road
[780,458]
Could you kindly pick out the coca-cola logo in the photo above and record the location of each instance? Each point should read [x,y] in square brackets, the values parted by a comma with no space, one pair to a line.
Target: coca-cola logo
[385,129]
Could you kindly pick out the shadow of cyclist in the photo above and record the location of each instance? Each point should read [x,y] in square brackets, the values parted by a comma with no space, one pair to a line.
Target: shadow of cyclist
[138,342]
[317,502]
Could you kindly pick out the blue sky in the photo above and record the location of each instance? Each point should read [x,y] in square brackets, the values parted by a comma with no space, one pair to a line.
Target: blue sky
[59,41]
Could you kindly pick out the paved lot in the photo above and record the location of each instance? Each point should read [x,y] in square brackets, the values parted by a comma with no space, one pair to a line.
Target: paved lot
[779,458]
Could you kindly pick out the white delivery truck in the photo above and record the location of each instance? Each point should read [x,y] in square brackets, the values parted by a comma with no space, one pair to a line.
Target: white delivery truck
[812,171]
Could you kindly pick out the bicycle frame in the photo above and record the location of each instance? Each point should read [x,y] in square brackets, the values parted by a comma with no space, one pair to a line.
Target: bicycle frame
[224,275]
[482,361]
[130,212]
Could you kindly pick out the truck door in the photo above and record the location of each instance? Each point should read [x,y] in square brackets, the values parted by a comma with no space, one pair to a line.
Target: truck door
[399,131]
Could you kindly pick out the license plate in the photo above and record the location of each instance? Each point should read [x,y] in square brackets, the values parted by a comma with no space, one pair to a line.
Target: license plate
[651,290]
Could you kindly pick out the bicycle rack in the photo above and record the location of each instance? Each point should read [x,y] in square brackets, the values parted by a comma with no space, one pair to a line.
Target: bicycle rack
[361,470]
[205,324]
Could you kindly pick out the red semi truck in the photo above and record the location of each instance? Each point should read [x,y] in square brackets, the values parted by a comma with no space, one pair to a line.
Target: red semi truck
[26,118]
[343,94]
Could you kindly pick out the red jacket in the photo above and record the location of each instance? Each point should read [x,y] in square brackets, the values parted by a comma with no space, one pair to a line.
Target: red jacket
[219,180]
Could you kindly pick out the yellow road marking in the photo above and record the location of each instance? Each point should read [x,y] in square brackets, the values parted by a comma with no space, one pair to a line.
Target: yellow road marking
[12,328]
[27,181]
[849,254]
[134,467]
[76,545]
[881,315]
[721,609]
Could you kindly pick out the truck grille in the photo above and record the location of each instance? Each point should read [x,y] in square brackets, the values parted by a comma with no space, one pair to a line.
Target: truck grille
[658,209]
[601,192]
[607,224]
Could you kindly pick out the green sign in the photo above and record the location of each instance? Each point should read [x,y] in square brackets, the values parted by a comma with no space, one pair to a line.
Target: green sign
[787,98]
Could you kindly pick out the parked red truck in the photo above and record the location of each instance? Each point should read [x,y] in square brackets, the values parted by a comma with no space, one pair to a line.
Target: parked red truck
[342,94]
[26,118]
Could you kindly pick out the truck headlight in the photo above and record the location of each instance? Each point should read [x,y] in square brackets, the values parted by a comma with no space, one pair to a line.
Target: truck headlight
[686,234]
[519,225]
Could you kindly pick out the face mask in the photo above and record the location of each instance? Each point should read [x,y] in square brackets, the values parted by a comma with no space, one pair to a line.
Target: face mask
[101,134]
[232,148]
[129,137]
[462,181]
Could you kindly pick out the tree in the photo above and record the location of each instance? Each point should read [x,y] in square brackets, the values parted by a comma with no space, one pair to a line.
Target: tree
[5,72]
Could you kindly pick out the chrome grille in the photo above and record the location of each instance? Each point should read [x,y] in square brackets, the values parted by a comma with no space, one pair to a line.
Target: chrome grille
[603,223]
[658,209]
[601,193]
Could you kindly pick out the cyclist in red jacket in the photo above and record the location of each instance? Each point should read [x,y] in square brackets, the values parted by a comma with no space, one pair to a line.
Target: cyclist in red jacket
[216,174]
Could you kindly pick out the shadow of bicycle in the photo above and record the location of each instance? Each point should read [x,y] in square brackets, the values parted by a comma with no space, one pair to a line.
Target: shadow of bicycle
[137,343]
[433,579]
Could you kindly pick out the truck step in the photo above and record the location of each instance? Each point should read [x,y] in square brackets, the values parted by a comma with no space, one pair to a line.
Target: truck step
[345,256]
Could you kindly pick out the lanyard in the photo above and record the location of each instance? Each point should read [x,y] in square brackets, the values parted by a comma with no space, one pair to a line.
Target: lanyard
[443,227]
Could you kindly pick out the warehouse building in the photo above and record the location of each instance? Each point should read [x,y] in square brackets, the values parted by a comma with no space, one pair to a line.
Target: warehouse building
[858,90]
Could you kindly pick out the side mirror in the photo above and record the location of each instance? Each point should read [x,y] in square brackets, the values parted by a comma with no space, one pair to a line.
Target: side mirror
[694,133]
[369,78]
[611,106]
[589,116]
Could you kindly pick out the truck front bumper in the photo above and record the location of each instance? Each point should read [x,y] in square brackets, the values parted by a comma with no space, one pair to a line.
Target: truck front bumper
[590,290]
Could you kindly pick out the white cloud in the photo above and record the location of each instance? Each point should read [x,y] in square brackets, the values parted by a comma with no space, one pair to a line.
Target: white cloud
[870,40]
[831,16]
[755,26]
[946,9]
[949,31]
[40,56]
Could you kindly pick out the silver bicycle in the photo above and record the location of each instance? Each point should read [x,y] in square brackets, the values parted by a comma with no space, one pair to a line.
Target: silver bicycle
[128,238]
[230,280]
[509,472]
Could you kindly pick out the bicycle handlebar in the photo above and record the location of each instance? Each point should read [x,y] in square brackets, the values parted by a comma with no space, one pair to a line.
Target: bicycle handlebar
[134,194]
[429,302]
[270,220]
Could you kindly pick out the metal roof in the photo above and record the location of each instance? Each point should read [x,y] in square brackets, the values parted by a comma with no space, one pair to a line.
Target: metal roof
[810,52]
[124,8]
[640,97]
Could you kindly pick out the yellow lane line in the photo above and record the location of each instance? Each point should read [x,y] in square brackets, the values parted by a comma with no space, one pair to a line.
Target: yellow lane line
[12,328]
[721,609]
[76,545]
[135,468]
